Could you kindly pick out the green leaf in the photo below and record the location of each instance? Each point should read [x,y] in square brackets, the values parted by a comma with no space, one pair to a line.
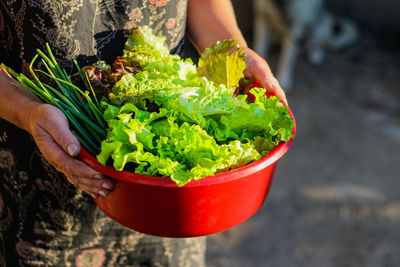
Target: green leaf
[222,67]
[143,36]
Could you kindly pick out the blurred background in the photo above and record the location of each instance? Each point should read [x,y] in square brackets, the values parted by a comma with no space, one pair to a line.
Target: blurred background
[335,200]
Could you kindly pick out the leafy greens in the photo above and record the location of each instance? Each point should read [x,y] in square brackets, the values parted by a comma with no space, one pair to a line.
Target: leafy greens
[221,67]
[170,118]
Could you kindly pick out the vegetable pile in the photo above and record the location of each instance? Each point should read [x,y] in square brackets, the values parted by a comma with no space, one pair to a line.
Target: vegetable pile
[163,116]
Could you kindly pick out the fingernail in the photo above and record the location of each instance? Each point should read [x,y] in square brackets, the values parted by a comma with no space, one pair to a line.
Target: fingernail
[72,149]
[99,176]
[95,196]
[106,186]
[104,193]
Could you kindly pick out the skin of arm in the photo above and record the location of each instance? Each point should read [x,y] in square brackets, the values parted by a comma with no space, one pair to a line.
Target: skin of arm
[50,130]
[212,20]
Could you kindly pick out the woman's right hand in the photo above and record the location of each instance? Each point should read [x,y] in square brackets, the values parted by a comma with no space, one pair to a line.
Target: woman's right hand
[49,127]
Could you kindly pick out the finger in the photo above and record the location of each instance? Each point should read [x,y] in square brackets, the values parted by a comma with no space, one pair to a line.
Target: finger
[51,134]
[73,181]
[259,69]
[58,128]
[60,160]
[77,172]
[269,82]
[262,73]
[93,186]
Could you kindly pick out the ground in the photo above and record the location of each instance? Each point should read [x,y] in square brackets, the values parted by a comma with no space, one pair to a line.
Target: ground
[335,200]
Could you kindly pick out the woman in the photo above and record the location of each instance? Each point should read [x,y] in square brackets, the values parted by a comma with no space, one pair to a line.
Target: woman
[45,219]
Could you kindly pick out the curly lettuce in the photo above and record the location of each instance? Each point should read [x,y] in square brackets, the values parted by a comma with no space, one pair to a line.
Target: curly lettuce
[158,145]
[221,65]
[176,120]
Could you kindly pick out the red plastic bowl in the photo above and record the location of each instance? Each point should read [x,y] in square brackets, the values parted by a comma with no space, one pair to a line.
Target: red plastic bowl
[157,206]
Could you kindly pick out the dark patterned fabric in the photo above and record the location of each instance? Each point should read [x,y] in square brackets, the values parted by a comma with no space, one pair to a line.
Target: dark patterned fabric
[44,220]
[87,30]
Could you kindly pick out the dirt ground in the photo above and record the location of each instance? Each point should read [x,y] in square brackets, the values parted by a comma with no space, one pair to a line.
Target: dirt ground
[335,200]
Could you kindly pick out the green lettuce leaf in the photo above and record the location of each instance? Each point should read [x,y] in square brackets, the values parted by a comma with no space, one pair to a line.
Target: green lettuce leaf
[143,36]
[227,118]
[222,67]
[157,145]
[160,76]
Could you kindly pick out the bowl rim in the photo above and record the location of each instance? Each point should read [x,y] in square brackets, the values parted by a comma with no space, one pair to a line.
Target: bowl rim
[269,159]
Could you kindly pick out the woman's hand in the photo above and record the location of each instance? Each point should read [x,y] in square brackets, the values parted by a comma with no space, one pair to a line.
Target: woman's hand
[207,24]
[259,69]
[49,127]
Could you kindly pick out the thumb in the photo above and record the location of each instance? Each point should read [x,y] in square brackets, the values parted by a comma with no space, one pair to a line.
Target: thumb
[58,128]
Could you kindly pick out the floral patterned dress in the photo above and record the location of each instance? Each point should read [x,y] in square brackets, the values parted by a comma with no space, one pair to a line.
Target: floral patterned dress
[44,220]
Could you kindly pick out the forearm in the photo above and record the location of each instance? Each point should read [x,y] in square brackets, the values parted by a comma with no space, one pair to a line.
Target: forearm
[13,100]
[210,21]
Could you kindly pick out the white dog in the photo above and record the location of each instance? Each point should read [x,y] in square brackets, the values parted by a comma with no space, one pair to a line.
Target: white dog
[295,22]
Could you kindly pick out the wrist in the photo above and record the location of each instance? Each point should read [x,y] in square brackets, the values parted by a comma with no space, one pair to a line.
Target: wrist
[26,117]
[16,101]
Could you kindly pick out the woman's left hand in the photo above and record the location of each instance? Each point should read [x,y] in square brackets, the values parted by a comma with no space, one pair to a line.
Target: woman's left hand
[258,69]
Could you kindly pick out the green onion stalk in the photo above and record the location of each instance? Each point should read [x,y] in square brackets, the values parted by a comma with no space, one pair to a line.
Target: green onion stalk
[81,108]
